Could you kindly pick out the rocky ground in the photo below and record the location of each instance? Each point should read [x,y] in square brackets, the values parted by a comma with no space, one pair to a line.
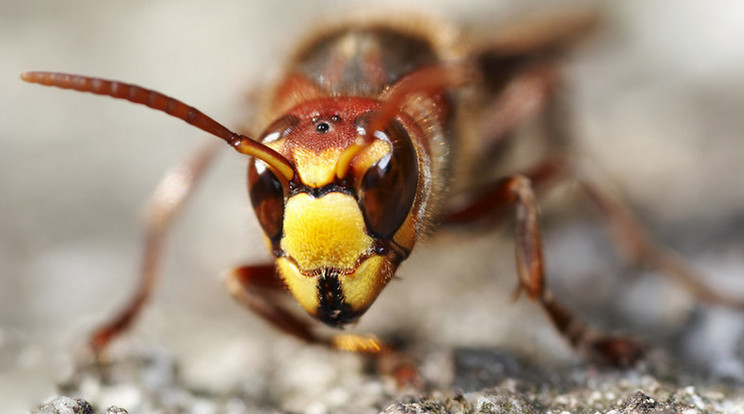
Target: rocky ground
[483,381]
[657,100]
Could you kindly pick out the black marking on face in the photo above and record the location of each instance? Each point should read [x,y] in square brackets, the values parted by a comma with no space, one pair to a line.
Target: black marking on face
[332,307]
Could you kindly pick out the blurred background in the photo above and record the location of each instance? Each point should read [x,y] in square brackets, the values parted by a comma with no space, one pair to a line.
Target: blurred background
[658,98]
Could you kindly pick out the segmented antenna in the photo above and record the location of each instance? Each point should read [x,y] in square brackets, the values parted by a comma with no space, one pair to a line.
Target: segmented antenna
[170,106]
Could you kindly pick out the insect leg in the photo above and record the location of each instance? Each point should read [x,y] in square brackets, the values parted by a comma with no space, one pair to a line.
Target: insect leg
[631,237]
[165,202]
[629,234]
[522,98]
[519,65]
[518,191]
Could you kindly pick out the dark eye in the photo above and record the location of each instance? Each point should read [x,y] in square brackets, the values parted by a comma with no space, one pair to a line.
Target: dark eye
[267,198]
[389,186]
[265,189]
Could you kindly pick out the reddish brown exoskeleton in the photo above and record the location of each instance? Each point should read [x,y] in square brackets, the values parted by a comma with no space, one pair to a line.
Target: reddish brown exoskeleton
[375,127]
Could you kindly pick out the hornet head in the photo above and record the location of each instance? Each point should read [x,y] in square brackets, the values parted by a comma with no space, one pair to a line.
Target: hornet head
[348,217]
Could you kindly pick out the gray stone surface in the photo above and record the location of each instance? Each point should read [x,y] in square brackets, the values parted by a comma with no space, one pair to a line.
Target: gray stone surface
[491,381]
[657,98]
[67,405]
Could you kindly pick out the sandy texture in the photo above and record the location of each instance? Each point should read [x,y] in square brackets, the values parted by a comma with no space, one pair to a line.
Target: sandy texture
[657,98]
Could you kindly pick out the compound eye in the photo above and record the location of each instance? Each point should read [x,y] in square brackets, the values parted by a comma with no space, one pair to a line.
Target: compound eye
[267,198]
[388,187]
[265,189]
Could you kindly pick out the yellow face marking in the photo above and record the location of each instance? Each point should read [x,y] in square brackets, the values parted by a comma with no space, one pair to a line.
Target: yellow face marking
[362,287]
[316,170]
[328,233]
[325,232]
[304,289]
